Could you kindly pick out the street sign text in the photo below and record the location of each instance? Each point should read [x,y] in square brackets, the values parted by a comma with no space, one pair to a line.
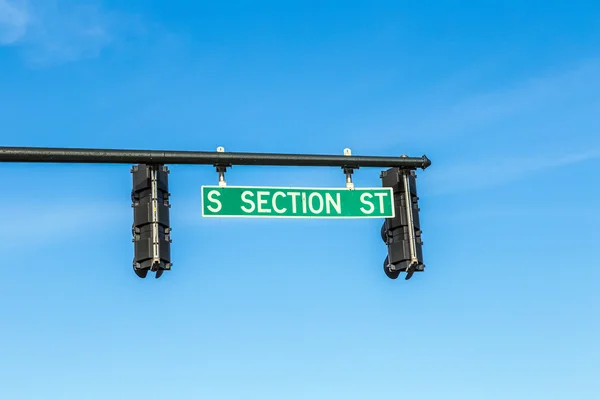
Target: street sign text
[285,202]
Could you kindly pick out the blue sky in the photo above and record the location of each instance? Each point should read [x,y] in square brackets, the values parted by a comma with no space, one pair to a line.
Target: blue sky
[504,97]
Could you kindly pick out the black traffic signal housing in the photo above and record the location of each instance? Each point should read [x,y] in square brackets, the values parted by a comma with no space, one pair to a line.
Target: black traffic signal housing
[151,224]
[402,234]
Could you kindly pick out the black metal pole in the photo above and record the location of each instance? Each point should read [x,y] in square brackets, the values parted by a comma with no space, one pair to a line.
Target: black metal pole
[109,156]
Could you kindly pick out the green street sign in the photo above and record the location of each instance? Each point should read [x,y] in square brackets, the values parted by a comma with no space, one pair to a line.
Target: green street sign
[286,202]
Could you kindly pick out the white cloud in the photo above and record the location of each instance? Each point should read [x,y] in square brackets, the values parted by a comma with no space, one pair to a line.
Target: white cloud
[474,111]
[39,224]
[551,116]
[51,32]
[511,213]
[14,20]
[448,112]
[498,170]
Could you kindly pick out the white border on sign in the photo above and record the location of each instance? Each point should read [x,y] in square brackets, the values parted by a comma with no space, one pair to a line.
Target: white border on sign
[391,190]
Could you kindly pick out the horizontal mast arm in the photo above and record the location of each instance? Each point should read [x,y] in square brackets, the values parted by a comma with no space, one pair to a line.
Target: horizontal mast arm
[114,156]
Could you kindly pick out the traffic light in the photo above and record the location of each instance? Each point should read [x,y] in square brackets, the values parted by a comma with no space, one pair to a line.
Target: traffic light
[151,226]
[402,234]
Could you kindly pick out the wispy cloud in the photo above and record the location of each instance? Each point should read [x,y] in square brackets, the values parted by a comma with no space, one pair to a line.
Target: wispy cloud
[39,224]
[510,213]
[551,116]
[537,93]
[498,170]
[14,19]
[451,111]
[51,32]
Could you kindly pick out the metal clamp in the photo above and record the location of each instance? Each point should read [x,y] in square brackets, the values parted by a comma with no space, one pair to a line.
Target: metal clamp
[348,171]
[221,169]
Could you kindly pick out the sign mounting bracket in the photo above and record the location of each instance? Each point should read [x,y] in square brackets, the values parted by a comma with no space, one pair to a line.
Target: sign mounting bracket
[349,170]
[221,168]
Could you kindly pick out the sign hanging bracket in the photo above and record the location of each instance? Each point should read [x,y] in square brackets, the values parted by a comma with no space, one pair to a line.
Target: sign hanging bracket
[221,168]
[348,171]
